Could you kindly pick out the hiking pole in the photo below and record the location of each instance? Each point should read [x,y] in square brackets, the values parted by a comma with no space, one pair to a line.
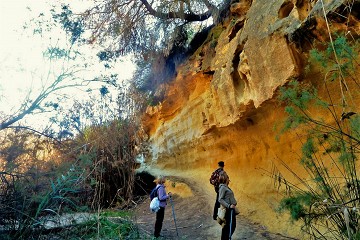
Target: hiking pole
[231,216]
[173,212]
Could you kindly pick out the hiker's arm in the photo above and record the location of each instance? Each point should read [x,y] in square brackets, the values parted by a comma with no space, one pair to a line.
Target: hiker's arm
[162,194]
[212,180]
[221,198]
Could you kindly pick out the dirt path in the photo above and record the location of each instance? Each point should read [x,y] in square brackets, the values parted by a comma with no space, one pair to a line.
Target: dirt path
[194,220]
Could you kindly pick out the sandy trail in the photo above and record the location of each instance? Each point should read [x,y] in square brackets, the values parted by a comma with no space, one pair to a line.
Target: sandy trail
[194,219]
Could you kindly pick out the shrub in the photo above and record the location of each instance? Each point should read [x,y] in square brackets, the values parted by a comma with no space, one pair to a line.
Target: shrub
[328,200]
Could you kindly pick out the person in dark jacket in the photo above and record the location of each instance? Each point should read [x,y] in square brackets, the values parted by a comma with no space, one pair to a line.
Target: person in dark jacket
[227,200]
[161,212]
[214,180]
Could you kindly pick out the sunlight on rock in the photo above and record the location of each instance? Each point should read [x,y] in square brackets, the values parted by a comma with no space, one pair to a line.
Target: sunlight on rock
[178,188]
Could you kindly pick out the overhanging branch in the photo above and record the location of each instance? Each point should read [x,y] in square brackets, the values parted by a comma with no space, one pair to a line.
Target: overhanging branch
[37,132]
[190,17]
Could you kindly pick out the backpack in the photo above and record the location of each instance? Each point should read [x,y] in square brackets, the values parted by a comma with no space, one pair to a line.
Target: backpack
[214,179]
[155,202]
[154,193]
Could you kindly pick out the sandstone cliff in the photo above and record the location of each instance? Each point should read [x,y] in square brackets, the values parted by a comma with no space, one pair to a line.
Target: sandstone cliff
[222,105]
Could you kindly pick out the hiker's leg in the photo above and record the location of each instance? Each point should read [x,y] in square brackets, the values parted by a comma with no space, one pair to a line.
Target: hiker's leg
[225,232]
[226,229]
[159,221]
[216,206]
[233,223]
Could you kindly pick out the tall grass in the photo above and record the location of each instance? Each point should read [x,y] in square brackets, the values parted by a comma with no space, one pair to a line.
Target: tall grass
[58,213]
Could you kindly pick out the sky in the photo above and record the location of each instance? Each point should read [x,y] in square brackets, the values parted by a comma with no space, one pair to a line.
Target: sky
[23,68]
[17,53]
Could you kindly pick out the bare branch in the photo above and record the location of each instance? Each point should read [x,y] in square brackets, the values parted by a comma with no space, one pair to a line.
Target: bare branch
[29,109]
[35,131]
[190,17]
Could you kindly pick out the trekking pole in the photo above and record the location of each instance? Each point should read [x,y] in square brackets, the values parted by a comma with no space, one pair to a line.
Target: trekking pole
[173,212]
[231,216]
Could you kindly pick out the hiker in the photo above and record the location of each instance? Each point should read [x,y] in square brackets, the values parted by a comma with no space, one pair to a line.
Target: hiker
[214,180]
[227,200]
[162,197]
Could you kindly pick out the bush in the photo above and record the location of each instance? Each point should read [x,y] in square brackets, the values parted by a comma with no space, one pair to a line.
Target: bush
[327,201]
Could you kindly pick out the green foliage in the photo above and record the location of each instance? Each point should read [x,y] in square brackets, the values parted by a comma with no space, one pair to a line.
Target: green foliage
[297,98]
[213,43]
[357,236]
[64,196]
[347,159]
[108,55]
[60,196]
[296,205]
[111,213]
[214,36]
[104,90]
[297,95]
[308,148]
[100,171]
[106,228]
[55,53]
[338,58]
[355,126]
[216,32]
[87,158]
[330,149]
[74,27]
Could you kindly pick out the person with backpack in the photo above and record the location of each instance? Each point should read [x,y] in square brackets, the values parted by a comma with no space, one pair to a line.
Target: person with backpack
[162,196]
[214,180]
[228,201]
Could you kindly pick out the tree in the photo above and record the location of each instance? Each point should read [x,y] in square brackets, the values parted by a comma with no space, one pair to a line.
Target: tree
[32,105]
[157,33]
[36,101]
[138,26]
[327,199]
[64,70]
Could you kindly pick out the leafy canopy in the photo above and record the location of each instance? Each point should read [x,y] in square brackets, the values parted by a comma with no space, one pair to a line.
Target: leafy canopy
[129,26]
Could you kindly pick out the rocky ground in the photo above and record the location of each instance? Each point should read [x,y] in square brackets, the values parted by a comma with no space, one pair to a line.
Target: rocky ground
[194,220]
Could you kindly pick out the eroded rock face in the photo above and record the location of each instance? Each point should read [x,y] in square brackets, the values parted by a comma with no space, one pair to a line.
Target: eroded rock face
[222,104]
